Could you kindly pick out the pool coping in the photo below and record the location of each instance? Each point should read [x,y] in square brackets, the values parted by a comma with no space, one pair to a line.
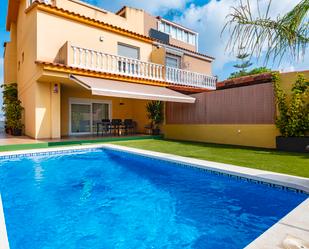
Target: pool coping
[293,224]
[4,242]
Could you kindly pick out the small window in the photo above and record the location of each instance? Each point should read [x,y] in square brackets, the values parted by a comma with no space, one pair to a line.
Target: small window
[161,26]
[172,61]
[193,39]
[179,31]
[167,28]
[186,37]
[22,57]
[173,32]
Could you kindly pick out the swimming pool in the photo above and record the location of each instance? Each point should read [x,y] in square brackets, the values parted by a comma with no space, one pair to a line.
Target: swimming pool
[103,198]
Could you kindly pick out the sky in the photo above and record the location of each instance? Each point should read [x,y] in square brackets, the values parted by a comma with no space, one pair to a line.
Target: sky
[204,16]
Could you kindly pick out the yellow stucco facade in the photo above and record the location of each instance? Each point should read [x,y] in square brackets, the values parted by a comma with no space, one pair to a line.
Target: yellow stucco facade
[241,134]
[45,33]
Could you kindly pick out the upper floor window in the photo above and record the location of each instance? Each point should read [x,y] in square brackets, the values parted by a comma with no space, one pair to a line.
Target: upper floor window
[172,61]
[177,32]
[128,66]
[128,51]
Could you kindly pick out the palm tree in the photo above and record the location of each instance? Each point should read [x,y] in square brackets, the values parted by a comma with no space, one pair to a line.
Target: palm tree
[283,36]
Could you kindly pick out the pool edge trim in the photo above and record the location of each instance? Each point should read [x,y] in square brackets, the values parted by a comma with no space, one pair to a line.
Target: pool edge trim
[289,181]
[4,242]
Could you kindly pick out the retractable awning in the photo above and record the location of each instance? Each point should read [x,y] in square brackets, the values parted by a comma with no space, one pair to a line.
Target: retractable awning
[115,88]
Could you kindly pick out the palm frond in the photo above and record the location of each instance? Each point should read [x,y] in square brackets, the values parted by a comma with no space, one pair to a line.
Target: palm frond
[286,35]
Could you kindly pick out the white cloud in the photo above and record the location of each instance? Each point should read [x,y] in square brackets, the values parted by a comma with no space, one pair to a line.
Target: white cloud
[209,20]
[156,7]
[289,66]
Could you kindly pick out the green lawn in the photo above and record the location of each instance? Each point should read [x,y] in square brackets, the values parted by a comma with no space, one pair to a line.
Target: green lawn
[271,160]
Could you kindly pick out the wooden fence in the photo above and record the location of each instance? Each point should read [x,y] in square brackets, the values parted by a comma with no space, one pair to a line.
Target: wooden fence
[253,104]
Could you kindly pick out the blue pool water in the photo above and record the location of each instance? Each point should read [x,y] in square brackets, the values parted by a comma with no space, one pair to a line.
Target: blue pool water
[104,199]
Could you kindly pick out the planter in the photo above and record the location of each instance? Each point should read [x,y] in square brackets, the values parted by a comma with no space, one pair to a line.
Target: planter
[17,132]
[293,144]
[8,131]
[155,132]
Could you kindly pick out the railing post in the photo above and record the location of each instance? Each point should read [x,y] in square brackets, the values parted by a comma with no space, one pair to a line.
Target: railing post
[74,55]
[146,70]
[139,69]
[103,62]
[92,59]
[97,60]
[114,64]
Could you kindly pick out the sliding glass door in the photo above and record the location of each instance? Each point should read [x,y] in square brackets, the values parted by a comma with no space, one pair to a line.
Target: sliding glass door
[99,111]
[85,114]
[80,118]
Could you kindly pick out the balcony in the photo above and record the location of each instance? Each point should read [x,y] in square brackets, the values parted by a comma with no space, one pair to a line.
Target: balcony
[83,58]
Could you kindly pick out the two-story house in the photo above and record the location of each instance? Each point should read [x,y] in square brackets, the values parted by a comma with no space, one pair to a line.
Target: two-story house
[76,64]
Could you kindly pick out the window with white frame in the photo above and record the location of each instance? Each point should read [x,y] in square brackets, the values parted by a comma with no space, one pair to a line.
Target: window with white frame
[86,113]
[128,51]
[127,66]
[177,32]
[173,32]
[172,61]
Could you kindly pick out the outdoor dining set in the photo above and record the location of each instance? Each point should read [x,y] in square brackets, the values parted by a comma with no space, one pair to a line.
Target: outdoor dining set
[116,127]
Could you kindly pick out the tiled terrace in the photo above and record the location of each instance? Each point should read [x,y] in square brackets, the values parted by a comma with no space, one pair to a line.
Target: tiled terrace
[8,142]
[12,140]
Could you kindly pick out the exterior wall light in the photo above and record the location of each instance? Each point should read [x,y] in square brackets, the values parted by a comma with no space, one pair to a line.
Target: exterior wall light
[56,88]
[101,39]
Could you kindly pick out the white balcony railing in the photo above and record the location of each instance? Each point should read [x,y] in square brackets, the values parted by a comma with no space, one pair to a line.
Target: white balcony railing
[103,62]
[183,77]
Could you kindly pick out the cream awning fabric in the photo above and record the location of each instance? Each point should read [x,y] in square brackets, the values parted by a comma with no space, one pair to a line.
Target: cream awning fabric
[115,88]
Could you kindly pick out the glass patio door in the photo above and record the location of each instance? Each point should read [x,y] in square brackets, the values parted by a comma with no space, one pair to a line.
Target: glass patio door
[85,116]
[80,118]
[99,111]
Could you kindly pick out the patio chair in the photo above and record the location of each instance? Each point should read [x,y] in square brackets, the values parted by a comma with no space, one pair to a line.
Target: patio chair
[115,126]
[106,125]
[128,126]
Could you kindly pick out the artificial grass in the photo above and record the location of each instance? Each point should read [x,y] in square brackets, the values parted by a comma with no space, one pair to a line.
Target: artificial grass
[270,160]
